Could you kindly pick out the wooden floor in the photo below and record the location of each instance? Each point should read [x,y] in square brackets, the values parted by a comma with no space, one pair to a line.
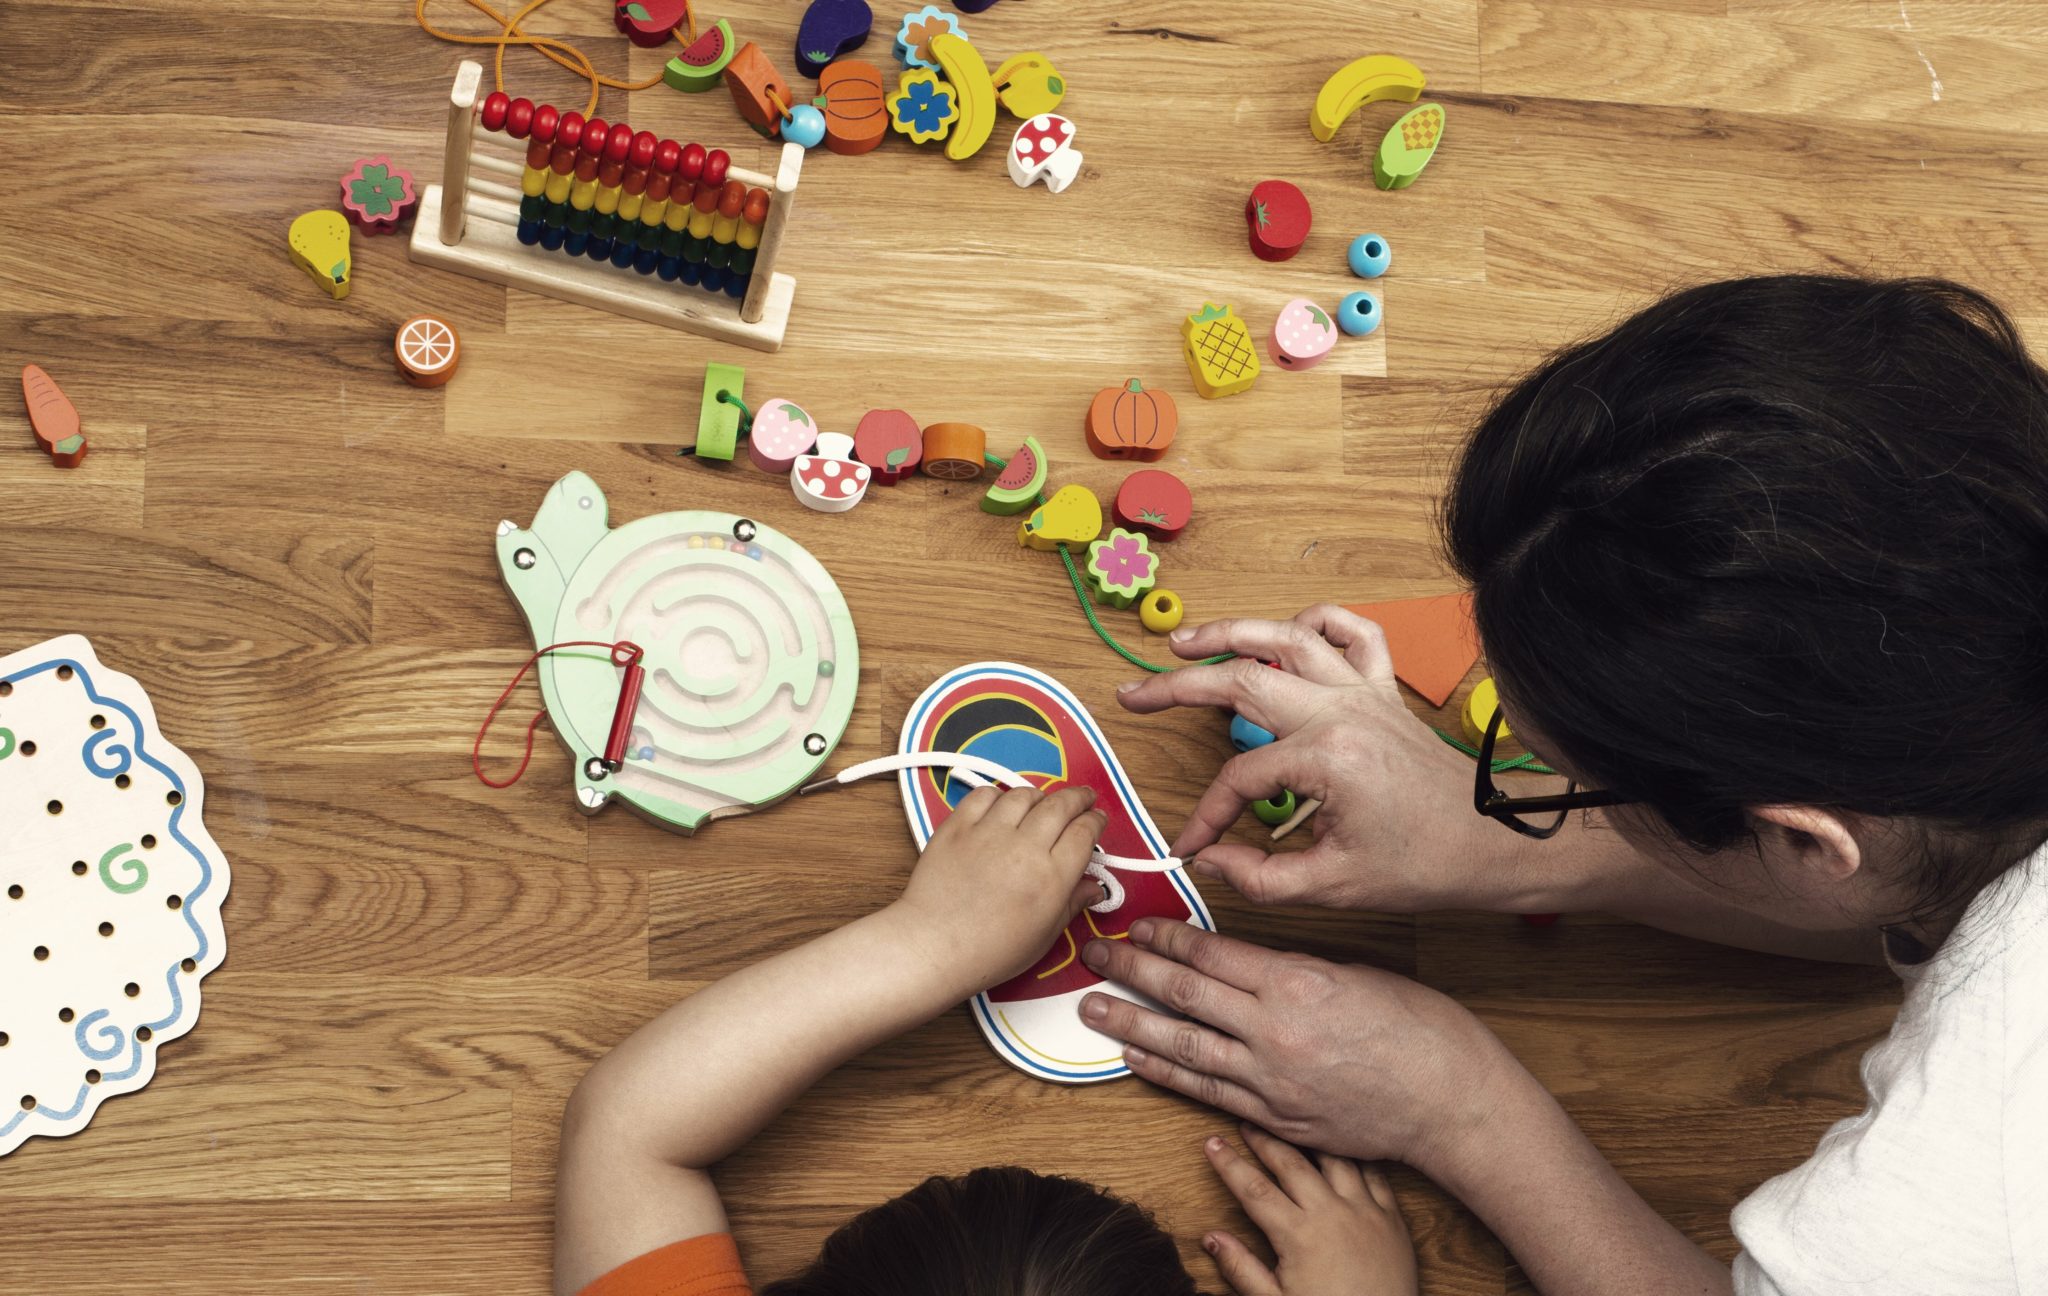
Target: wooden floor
[293,550]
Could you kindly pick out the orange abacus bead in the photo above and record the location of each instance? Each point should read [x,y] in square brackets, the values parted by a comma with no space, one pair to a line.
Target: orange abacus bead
[732,198]
[545,119]
[586,167]
[707,198]
[658,187]
[715,163]
[610,174]
[563,159]
[537,153]
[757,206]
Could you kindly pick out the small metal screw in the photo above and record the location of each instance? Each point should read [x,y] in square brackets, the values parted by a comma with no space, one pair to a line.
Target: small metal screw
[814,744]
[524,559]
[595,769]
[743,530]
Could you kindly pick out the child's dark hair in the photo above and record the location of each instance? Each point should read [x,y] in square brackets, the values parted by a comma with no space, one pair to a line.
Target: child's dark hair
[998,1231]
[1780,541]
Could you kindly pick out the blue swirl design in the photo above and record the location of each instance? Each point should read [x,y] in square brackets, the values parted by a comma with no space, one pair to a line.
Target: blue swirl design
[200,945]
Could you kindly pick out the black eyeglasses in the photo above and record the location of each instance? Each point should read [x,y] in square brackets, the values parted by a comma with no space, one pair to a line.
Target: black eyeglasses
[1490,801]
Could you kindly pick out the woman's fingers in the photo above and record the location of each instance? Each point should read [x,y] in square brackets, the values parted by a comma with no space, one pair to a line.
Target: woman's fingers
[1245,1272]
[1272,699]
[1223,1095]
[1299,648]
[1362,642]
[1247,777]
[1258,877]
[1188,1043]
[1268,1207]
[1298,1179]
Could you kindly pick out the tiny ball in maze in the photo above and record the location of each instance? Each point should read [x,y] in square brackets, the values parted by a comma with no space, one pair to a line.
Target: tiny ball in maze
[743,530]
[814,744]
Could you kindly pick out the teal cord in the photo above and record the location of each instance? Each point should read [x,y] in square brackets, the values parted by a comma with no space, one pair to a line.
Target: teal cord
[1526,761]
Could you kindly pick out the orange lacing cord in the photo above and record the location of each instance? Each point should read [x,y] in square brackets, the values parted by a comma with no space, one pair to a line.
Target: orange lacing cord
[561,51]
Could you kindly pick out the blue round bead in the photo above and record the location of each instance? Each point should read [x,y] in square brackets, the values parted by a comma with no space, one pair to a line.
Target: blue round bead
[1369,256]
[1358,314]
[805,126]
[1244,735]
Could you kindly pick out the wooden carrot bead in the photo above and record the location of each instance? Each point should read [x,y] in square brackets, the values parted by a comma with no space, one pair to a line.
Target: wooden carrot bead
[715,164]
[545,119]
[495,107]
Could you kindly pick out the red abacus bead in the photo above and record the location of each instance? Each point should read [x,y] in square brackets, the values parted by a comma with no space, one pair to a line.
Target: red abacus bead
[545,119]
[732,199]
[570,131]
[643,149]
[494,110]
[620,144]
[715,163]
[519,118]
[537,153]
[757,206]
[692,164]
[668,155]
[595,132]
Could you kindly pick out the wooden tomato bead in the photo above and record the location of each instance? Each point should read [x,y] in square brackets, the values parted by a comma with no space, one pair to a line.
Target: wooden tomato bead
[493,114]
[715,164]
[1161,611]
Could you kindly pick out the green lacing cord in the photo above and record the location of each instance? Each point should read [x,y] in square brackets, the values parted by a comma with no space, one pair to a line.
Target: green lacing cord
[1526,761]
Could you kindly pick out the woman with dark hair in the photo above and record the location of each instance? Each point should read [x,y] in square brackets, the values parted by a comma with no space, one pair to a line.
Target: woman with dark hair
[1763,573]
[636,1213]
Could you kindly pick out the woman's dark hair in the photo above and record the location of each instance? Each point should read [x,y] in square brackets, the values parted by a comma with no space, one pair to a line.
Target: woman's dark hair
[1780,540]
[998,1231]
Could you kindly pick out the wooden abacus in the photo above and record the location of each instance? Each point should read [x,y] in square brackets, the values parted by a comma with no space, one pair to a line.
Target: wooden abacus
[589,204]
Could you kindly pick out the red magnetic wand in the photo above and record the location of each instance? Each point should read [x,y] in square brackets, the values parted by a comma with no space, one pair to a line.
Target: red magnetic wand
[627,654]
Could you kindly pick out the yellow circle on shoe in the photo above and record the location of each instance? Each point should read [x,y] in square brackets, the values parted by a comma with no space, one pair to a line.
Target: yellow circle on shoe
[1479,709]
[1161,611]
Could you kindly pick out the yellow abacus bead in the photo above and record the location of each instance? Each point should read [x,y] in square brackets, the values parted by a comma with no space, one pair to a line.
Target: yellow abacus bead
[1161,611]
[750,236]
[724,229]
[700,223]
[582,194]
[629,206]
[533,182]
[678,215]
[558,186]
[1479,709]
[607,200]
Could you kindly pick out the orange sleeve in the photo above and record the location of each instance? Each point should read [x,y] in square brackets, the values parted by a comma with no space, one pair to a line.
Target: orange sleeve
[698,1266]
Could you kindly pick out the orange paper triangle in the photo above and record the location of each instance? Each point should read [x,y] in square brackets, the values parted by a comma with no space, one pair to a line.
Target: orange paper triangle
[1432,641]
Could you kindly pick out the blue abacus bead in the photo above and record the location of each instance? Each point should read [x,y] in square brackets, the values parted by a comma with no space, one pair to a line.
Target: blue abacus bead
[670,269]
[529,232]
[576,241]
[646,260]
[805,126]
[1358,314]
[551,237]
[1369,256]
[736,284]
[1245,736]
[623,253]
[600,249]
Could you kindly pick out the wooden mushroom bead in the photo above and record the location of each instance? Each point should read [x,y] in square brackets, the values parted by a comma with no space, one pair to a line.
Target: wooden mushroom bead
[1043,149]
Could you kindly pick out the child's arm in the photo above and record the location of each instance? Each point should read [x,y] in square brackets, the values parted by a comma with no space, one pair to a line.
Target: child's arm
[992,890]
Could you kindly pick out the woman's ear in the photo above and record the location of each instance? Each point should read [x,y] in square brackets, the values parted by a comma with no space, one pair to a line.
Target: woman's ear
[1819,839]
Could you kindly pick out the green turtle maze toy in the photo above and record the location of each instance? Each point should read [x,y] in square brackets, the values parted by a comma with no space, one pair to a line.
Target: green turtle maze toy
[746,656]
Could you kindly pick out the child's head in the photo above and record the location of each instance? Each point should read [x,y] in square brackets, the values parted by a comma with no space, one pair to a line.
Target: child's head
[999,1231]
[1781,542]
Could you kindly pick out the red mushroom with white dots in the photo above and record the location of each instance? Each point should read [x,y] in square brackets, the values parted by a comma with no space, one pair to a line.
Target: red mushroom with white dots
[1043,149]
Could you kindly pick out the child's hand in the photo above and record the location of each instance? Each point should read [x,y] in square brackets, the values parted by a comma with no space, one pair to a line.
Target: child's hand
[1000,878]
[1336,1231]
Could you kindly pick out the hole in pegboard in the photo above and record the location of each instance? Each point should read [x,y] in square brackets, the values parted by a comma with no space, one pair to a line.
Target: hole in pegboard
[28,1102]
[42,953]
[106,929]
[3,1039]
[65,672]
[6,688]
[28,747]
[131,989]
[65,1014]
[173,797]
[92,1076]
[14,892]
[99,722]
[148,841]
[187,964]
[79,868]
[174,902]
[55,807]
[143,1033]
[122,781]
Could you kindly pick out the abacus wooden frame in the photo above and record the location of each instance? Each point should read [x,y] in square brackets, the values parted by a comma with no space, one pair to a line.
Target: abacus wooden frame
[487,248]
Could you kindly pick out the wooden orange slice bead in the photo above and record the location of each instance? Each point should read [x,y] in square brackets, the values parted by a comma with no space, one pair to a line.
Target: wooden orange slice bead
[954,451]
[427,350]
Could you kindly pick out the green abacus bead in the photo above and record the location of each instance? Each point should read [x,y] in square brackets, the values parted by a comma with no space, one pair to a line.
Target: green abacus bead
[742,261]
[720,255]
[1275,813]
[696,247]
[533,207]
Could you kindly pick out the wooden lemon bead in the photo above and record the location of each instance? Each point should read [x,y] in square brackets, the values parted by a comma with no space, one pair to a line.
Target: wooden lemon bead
[1161,611]
[1479,709]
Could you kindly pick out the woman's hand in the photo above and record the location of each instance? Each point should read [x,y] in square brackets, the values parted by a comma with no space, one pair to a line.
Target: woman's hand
[1336,1230]
[999,879]
[1351,1060]
[1396,831]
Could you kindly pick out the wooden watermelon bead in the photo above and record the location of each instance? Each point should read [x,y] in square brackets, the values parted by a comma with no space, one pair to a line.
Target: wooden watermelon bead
[427,350]
[955,451]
